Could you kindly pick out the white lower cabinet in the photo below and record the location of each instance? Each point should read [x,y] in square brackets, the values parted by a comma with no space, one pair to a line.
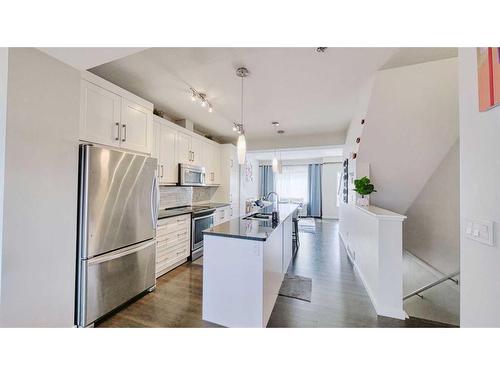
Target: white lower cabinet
[222,214]
[173,236]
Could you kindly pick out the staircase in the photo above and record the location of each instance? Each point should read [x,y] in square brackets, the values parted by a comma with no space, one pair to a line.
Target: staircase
[409,148]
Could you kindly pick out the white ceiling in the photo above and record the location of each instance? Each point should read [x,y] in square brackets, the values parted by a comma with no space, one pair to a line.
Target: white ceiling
[299,154]
[309,93]
[85,58]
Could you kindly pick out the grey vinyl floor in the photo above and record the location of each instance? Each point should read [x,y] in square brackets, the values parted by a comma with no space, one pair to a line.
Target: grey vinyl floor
[338,298]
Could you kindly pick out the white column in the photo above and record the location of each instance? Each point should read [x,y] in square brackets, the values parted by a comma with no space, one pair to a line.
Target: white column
[4,66]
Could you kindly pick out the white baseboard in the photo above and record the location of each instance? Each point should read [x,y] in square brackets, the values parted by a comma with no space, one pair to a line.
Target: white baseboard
[389,313]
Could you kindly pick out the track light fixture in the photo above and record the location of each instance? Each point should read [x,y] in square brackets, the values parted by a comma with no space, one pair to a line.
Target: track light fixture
[195,96]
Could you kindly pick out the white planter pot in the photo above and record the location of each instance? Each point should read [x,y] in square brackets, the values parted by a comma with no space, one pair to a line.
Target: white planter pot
[363,200]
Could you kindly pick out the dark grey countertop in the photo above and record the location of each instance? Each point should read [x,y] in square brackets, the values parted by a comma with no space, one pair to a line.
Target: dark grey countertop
[216,205]
[255,230]
[171,212]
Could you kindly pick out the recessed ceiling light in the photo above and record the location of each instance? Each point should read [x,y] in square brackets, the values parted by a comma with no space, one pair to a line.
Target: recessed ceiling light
[321,49]
[275,123]
[280,132]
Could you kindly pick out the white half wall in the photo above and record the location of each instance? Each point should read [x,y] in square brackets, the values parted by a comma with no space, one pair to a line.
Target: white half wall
[4,65]
[41,180]
[479,199]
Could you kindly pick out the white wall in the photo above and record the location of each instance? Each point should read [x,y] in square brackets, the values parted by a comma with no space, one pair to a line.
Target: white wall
[4,65]
[329,189]
[411,124]
[40,210]
[270,143]
[249,189]
[432,229]
[479,199]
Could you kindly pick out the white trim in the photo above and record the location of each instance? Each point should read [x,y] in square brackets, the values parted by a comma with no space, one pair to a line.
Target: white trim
[381,213]
[96,80]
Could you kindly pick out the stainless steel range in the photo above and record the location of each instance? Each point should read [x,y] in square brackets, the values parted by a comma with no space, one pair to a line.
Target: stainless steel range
[202,218]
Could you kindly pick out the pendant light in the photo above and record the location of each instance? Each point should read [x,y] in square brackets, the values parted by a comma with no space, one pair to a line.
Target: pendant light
[275,164]
[242,142]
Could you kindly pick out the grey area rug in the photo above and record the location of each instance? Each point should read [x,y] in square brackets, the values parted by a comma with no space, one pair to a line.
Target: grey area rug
[297,287]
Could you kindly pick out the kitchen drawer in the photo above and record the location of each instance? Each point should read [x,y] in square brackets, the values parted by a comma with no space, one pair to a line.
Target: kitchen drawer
[174,238]
[173,224]
[165,257]
[162,250]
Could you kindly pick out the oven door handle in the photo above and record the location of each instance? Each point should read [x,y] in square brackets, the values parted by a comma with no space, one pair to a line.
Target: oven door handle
[203,217]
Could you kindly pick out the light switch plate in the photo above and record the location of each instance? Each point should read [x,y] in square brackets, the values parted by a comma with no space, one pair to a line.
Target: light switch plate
[480,230]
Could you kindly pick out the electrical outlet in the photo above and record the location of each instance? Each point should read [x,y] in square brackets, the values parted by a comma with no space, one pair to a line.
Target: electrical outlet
[480,230]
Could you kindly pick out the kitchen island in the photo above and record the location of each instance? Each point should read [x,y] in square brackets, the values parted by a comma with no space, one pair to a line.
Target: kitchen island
[245,260]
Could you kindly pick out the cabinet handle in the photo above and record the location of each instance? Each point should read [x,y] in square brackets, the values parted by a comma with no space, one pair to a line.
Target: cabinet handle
[231,163]
[124,126]
[117,138]
[161,171]
[192,152]
[181,234]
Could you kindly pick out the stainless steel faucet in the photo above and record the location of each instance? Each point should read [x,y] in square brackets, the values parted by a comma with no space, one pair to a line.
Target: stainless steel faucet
[277,196]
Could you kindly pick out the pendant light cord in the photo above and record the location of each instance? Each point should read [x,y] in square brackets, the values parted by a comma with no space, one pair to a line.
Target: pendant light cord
[242,130]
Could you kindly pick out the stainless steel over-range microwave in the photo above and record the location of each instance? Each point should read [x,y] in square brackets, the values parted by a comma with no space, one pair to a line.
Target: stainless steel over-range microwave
[191,175]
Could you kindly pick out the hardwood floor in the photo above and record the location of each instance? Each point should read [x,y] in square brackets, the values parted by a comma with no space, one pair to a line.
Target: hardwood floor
[338,296]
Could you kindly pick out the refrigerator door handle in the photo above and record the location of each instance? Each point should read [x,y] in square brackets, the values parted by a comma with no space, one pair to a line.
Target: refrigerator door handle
[155,197]
[119,254]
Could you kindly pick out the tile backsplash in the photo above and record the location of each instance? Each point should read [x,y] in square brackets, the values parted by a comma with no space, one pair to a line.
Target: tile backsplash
[203,194]
[175,196]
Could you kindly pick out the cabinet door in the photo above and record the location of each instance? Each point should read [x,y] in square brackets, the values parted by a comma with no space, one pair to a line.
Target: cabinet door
[197,151]
[168,160]
[216,164]
[155,152]
[207,152]
[184,154]
[136,126]
[99,115]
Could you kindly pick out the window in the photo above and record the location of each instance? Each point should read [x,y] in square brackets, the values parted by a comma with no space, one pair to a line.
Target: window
[292,182]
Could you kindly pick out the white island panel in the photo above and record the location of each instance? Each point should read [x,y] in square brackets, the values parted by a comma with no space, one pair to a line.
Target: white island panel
[232,281]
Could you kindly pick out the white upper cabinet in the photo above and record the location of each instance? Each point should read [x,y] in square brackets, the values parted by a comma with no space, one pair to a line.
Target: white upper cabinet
[136,127]
[114,117]
[99,115]
[184,153]
[169,170]
[197,152]
[211,158]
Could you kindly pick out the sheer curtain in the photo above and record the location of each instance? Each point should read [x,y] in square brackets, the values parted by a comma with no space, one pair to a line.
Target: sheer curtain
[292,182]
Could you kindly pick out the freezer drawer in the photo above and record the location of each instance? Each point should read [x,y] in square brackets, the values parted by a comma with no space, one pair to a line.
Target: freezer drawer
[109,280]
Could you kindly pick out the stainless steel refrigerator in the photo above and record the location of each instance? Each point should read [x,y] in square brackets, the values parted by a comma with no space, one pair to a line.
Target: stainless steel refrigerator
[118,211]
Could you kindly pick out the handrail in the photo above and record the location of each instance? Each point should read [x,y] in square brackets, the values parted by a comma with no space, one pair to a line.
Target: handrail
[430,285]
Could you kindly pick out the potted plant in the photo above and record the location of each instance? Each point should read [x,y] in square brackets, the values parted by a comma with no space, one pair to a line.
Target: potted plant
[364,188]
